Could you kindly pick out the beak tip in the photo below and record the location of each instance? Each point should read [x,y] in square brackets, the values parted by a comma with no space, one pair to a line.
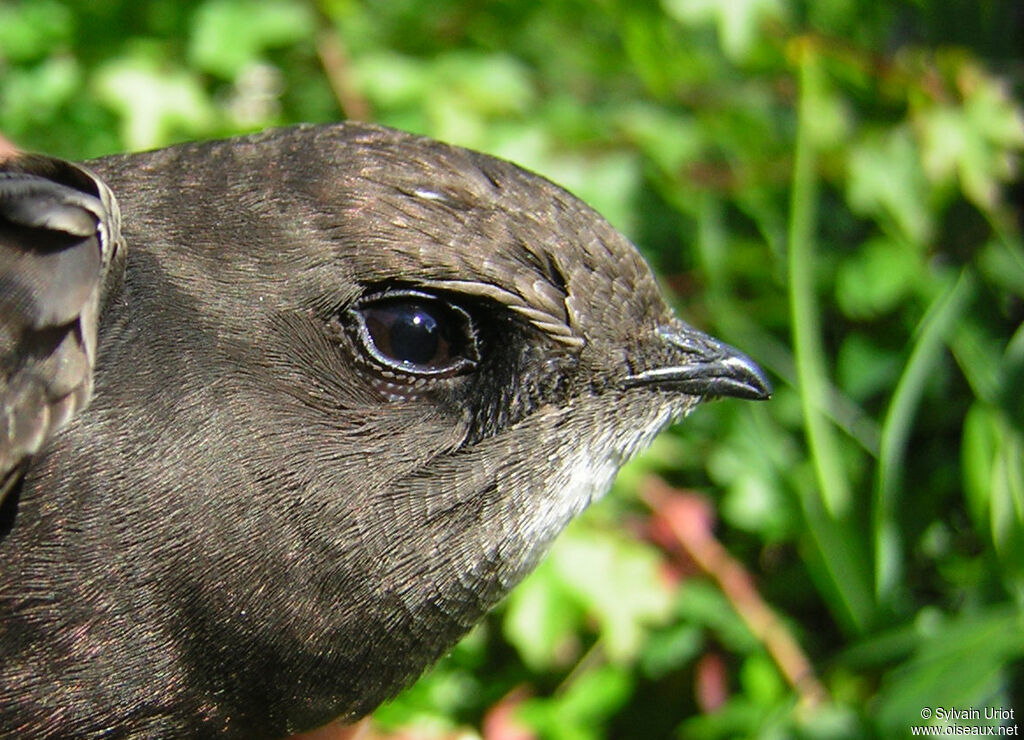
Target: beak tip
[756,381]
[738,376]
[708,368]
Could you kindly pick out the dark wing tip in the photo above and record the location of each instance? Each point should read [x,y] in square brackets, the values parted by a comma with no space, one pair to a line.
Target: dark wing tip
[59,238]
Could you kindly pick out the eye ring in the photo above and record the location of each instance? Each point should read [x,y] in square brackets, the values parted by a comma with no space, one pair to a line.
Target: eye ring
[413,333]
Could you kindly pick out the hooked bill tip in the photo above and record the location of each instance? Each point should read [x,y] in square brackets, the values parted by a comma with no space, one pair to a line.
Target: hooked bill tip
[707,367]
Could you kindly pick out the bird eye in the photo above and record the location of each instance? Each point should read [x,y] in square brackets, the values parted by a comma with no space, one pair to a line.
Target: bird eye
[416,333]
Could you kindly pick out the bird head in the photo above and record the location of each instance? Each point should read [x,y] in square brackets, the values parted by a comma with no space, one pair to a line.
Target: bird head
[354,384]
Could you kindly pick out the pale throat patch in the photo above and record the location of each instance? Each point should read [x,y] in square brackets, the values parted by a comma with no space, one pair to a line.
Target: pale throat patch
[586,474]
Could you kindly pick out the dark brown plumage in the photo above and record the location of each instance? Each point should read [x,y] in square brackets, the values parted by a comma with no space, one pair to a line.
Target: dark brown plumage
[352,385]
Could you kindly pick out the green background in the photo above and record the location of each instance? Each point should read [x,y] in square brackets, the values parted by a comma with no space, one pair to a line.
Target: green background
[830,185]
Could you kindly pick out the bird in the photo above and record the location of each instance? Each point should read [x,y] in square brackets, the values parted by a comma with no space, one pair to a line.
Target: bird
[283,416]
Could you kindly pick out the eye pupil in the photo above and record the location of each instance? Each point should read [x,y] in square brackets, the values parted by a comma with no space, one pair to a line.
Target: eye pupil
[416,333]
[414,337]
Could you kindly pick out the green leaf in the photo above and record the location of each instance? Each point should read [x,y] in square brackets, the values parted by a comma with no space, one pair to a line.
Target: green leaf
[978,452]
[488,84]
[701,603]
[866,367]
[33,96]
[541,621]
[877,277]
[668,139]
[156,103]
[669,649]
[580,711]
[761,680]
[618,581]
[738,21]
[228,35]
[756,504]
[992,457]
[886,181]
[1003,264]
[391,80]
[1007,507]
[738,718]
[944,312]
[31,30]
[974,141]
[976,649]
[596,694]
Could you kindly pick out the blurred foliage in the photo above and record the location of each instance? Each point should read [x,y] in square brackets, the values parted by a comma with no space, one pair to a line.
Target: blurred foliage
[831,186]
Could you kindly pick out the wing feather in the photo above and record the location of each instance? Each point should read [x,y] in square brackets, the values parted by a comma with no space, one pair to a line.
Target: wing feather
[60,251]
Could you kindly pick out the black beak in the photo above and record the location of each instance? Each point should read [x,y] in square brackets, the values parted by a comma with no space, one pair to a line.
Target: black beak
[707,368]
